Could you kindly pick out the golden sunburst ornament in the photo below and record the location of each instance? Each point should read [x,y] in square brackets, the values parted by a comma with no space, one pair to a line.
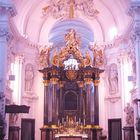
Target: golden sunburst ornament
[71,74]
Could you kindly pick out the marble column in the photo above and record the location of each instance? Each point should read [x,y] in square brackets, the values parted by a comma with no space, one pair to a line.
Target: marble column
[81,102]
[54,112]
[96,96]
[46,101]
[61,113]
[96,103]
[6,12]
[134,11]
[81,106]
[88,103]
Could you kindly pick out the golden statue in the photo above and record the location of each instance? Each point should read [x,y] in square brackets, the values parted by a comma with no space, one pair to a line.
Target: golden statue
[44,55]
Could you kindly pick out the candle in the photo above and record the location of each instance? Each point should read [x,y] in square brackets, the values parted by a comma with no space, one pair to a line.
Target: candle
[75,118]
[84,122]
[79,120]
[58,122]
[62,120]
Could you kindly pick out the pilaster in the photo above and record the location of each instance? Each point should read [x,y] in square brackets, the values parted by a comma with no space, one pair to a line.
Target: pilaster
[134,11]
[7,10]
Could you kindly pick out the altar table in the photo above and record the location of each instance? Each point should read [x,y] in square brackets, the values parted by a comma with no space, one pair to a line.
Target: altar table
[71,137]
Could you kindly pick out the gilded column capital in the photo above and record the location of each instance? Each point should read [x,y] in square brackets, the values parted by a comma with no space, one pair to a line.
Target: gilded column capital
[54,81]
[96,82]
[45,82]
[61,84]
[80,84]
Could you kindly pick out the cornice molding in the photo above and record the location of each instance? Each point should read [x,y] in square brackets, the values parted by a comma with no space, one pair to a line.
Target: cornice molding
[113,99]
[30,97]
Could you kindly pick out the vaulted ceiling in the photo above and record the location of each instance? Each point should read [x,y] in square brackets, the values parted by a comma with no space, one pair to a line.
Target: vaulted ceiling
[91,25]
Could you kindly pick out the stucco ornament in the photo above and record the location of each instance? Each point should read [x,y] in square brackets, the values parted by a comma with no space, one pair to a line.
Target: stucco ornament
[129,111]
[44,54]
[98,54]
[66,8]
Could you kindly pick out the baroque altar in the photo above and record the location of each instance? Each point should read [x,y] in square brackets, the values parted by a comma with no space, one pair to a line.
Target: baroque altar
[71,91]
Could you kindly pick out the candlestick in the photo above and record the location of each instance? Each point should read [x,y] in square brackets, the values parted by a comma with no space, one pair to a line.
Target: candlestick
[84,122]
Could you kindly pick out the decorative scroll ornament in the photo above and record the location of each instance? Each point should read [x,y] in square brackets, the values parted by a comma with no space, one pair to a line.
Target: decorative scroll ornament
[55,59]
[129,111]
[98,60]
[71,74]
[87,60]
[44,55]
[67,8]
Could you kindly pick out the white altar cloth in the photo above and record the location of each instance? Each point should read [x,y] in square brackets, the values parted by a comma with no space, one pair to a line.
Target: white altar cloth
[75,135]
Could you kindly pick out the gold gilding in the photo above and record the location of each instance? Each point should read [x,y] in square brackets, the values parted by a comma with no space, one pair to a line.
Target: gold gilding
[96,82]
[46,82]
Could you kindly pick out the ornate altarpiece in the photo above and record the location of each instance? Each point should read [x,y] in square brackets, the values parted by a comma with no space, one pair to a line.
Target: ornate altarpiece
[67,92]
